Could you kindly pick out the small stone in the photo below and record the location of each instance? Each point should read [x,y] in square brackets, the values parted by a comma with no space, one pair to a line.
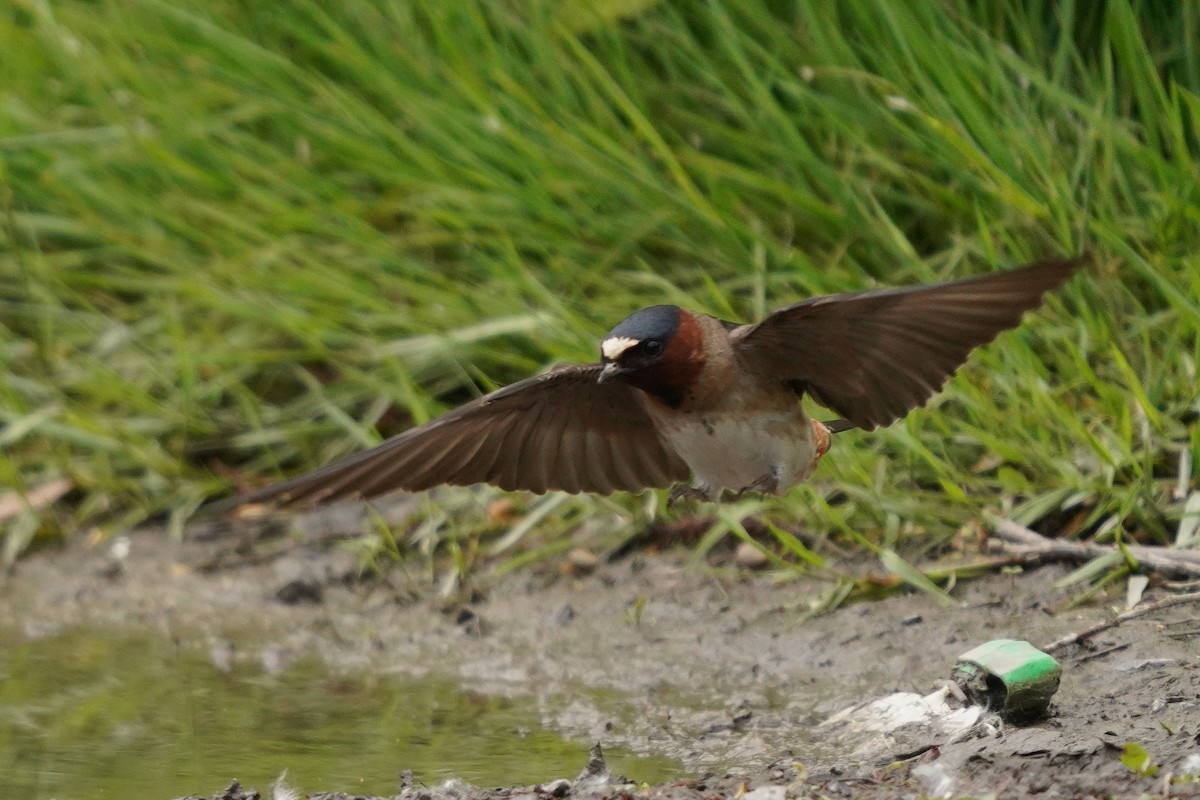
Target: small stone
[471,623]
[581,561]
[596,768]
[558,788]
[236,792]
[300,590]
[502,509]
[741,715]
[297,581]
[565,615]
[749,556]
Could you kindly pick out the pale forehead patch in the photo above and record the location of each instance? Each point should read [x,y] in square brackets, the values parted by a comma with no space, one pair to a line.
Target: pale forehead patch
[614,347]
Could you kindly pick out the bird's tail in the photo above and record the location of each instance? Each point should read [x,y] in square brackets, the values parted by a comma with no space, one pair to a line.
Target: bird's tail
[839,425]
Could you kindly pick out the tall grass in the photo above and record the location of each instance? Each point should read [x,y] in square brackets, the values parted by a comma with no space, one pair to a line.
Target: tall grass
[240,239]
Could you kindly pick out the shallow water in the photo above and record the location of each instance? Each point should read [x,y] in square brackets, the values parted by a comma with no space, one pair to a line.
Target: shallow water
[95,714]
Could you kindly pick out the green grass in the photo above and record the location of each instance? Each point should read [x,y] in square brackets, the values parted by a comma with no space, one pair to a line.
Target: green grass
[245,239]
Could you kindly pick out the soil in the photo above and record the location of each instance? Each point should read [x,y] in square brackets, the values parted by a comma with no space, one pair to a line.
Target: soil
[717,668]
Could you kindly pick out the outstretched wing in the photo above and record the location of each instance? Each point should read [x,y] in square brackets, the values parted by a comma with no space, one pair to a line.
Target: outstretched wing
[562,430]
[874,356]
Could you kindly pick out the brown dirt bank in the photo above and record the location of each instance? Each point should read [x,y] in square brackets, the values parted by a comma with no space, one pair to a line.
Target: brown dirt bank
[712,667]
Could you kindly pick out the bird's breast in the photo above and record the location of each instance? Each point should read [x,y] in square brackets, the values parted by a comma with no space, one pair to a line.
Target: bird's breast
[734,448]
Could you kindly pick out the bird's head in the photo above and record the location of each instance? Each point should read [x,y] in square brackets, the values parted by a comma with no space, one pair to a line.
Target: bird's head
[658,350]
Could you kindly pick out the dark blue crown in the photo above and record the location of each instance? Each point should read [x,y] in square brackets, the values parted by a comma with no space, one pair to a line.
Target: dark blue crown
[655,322]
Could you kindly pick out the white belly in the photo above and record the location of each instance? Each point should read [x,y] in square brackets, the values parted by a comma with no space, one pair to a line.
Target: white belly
[728,451]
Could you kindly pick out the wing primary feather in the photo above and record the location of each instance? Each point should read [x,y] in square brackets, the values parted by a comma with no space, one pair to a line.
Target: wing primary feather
[537,456]
[505,468]
[598,452]
[461,456]
[401,466]
[650,463]
[874,356]
[437,460]
[327,483]
[569,451]
[482,467]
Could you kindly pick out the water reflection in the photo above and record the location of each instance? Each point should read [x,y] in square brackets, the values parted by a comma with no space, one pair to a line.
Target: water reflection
[104,714]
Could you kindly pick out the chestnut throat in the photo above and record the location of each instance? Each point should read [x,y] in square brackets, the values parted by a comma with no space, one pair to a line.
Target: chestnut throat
[671,378]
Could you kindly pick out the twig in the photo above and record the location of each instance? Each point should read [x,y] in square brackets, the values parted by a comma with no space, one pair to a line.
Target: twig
[13,502]
[1020,540]
[1078,636]
[1102,653]
[1166,561]
[1184,634]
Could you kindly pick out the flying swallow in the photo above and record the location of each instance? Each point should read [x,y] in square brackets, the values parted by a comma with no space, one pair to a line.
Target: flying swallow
[680,395]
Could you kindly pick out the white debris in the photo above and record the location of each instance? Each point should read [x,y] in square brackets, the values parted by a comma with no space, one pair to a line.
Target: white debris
[902,723]
[281,791]
[935,779]
[766,793]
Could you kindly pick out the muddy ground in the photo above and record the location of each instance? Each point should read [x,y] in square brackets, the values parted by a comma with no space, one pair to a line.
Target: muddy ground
[716,667]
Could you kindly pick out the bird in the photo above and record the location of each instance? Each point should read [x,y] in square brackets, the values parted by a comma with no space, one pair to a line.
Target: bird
[684,399]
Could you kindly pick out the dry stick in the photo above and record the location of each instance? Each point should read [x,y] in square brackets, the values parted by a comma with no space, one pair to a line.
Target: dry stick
[1168,562]
[1167,602]
[1175,563]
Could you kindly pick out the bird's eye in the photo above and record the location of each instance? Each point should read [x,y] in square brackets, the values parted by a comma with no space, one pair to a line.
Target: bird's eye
[652,347]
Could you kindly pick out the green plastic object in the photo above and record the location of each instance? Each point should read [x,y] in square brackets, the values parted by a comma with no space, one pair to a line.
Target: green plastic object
[1010,677]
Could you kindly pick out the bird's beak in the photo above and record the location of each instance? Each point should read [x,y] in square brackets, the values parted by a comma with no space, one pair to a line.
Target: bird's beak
[610,371]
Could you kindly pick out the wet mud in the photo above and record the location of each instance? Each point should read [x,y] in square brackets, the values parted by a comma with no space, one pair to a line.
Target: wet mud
[717,668]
